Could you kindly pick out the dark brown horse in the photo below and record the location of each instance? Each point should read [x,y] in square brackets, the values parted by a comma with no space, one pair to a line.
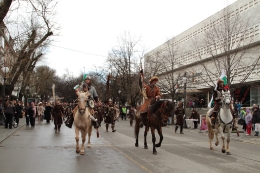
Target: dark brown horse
[157,114]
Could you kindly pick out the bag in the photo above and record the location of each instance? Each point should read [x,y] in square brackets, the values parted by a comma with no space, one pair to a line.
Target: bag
[257,127]
[69,121]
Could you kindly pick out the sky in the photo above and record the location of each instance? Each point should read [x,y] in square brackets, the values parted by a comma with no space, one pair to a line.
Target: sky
[89,29]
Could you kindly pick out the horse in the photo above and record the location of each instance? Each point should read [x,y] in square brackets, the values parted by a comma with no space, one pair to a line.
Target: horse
[82,122]
[157,113]
[223,123]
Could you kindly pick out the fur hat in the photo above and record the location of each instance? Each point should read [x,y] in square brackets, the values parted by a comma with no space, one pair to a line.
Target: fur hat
[154,78]
[219,81]
[85,76]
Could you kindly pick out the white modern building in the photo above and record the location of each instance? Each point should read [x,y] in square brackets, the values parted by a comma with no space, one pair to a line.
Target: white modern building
[228,40]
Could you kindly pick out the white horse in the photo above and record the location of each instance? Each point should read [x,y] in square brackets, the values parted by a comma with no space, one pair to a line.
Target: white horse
[82,122]
[223,123]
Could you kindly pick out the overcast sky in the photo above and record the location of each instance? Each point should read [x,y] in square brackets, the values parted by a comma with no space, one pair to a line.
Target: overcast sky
[90,28]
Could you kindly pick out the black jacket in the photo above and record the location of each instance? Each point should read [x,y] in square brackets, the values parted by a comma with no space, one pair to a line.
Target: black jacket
[256,117]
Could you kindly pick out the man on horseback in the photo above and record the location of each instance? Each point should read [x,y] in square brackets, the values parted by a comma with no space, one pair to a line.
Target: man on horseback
[86,86]
[153,93]
[217,97]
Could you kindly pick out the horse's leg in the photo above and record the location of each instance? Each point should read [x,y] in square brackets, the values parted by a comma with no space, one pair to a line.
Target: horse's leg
[216,134]
[77,139]
[89,135]
[145,136]
[136,132]
[223,139]
[210,132]
[229,130]
[153,140]
[83,136]
[159,130]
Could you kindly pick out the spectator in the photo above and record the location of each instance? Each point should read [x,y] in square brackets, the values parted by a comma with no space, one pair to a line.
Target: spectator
[195,115]
[238,105]
[9,114]
[123,112]
[242,117]
[18,110]
[248,120]
[40,112]
[47,112]
[32,112]
[256,117]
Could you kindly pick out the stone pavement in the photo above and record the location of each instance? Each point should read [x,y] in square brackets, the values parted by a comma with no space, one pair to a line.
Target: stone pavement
[5,133]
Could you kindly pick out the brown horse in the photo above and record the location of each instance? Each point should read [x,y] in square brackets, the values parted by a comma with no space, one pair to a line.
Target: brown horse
[157,113]
[82,122]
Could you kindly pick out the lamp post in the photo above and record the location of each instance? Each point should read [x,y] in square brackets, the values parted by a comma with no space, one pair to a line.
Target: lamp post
[5,70]
[184,79]
[27,95]
[119,93]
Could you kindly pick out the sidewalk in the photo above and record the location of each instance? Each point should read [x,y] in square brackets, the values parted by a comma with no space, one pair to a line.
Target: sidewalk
[5,133]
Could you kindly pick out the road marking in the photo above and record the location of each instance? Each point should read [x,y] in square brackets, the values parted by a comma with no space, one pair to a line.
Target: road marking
[131,159]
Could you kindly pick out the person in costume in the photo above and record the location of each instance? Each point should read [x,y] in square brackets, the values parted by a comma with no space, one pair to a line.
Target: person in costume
[179,112]
[152,93]
[217,97]
[110,115]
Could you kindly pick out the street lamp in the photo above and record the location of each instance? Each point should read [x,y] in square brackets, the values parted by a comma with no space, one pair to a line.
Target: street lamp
[27,95]
[184,79]
[119,93]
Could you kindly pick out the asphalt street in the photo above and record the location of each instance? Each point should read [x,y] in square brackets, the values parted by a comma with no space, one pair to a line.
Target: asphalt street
[42,150]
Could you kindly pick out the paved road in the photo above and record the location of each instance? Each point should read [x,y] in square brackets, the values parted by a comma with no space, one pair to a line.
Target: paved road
[42,150]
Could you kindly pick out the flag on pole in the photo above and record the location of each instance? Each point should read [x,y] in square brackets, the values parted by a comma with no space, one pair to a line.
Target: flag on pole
[224,78]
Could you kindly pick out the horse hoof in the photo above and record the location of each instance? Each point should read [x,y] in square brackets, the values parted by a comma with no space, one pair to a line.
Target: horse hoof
[228,153]
[145,147]
[216,143]
[155,152]
[211,148]
[82,152]
[136,145]
[89,146]
[77,150]
[223,151]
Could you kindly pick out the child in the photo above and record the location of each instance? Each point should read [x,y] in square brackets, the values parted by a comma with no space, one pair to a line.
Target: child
[248,119]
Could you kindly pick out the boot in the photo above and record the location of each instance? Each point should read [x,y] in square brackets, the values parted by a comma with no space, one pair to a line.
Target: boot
[106,127]
[113,129]
[176,128]
[141,124]
[213,118]
[181,130]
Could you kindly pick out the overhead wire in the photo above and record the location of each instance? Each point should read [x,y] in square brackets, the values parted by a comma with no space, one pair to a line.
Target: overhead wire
[78,51]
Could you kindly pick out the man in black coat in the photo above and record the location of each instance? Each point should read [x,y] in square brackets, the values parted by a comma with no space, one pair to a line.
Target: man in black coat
[256,117]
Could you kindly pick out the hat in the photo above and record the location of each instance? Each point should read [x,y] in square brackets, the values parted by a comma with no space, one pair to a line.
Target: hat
[85,76]
[110,100]
[219,81]
[154,78]
[40,103]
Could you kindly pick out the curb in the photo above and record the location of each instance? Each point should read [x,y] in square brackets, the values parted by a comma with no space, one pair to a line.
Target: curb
[11,133]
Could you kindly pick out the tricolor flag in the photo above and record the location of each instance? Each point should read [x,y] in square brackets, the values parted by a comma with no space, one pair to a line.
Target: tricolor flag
[224,78]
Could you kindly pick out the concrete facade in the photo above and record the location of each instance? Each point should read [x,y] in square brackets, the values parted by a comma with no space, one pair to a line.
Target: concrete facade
[232,33]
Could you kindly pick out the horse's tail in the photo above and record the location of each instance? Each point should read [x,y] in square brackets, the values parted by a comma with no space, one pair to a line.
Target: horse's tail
[210,129]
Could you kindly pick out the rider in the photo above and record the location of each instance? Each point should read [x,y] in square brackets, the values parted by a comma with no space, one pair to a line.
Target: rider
[152,92]
[86,86]
[217,97]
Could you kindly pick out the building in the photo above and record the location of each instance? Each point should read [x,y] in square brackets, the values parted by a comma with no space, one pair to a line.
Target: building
[229,40]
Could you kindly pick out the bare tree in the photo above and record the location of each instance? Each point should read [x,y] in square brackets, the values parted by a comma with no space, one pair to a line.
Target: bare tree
[31,36]
[227,44]
[123,64]
[4,8]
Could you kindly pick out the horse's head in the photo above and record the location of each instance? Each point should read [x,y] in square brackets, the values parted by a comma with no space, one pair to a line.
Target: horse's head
[226,98]
[82,101]
[166,108]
